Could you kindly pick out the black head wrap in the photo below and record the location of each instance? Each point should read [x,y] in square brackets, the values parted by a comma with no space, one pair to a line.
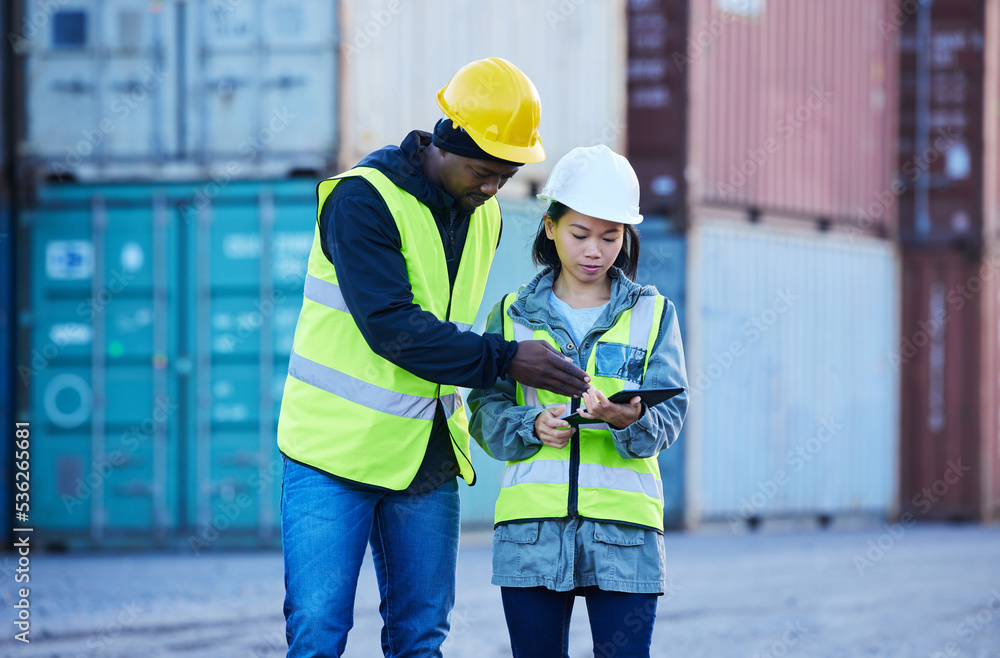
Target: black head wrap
[448,137]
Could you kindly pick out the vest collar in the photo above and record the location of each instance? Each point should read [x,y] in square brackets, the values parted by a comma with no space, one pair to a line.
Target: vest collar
[532,303]
[401,165]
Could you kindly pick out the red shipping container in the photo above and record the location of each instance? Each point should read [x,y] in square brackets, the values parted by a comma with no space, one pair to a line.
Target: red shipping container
[792,108]
[991,126]
[949,359]
[657,103]
[946,109]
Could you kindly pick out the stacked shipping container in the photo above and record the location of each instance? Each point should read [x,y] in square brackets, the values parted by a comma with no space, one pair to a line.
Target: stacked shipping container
[162,326]
[398,55]
[780,113]
[948,354]
[791,107]
[789,116]
[942,122]
[181,90]
[793,403]
[161,314]
[949,220]
[8,313]
[159,399]
[657,104]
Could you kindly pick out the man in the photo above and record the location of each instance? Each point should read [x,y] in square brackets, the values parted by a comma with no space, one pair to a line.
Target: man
[371,426]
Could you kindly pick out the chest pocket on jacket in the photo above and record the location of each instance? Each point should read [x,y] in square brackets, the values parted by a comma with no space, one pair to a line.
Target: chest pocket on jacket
[620,361]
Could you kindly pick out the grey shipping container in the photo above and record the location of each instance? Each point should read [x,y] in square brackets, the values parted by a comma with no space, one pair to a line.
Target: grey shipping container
[117,90]
[794,403]
[574,53]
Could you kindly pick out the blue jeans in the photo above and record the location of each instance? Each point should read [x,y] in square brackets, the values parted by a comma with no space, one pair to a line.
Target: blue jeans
[621,623]
[326,525]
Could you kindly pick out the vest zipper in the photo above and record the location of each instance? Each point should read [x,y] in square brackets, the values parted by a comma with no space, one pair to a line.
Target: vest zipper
[574,466]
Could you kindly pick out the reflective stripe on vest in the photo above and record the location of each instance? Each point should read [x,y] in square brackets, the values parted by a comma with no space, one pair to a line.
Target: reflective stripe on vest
[347,410]
[365,394]
[608,486]
[328,294]
[591,475]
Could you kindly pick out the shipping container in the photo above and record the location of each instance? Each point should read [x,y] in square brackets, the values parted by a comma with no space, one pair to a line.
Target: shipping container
[244,281]
[261,94]
[101,86]
[948,354]
[395,59]
[662,263]
[947,108]
[8,320]
[792,108]
[512,268]
[185,90]
[657,103]
[7,304]
[161,321]
[794,403]
[991,126]
[104,343]
[197,307]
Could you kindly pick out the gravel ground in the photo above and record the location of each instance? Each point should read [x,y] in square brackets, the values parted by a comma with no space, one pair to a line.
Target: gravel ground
[923,591]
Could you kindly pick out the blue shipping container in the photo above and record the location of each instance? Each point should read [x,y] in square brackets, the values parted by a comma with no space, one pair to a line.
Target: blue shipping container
[7,342]
[245,276]
[165,434]
[663,263]
[161,324]
[104,396]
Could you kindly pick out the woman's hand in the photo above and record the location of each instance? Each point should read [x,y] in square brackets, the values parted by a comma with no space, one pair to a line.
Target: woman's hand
[618,416]
[552,429]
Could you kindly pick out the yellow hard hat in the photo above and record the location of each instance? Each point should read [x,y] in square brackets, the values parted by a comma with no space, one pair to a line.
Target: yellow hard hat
[496,103]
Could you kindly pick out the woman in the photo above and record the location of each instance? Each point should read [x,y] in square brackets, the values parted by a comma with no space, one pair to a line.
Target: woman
[580,513]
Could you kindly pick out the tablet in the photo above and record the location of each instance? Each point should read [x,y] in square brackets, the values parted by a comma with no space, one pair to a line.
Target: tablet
[650,396]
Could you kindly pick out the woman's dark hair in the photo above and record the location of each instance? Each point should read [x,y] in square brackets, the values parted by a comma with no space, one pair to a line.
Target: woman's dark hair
[544,254]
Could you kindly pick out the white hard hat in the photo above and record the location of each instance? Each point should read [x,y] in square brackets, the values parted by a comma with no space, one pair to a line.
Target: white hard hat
[595,181]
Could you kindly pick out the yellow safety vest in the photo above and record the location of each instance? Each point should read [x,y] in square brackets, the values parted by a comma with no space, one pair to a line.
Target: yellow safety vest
[588,478]
[345,409]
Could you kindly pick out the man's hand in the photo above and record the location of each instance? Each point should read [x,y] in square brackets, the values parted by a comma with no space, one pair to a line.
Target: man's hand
[538,364]
[618,416]
[552,429]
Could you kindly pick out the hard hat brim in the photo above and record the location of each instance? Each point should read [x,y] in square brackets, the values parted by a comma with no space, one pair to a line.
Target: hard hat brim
[617,218]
